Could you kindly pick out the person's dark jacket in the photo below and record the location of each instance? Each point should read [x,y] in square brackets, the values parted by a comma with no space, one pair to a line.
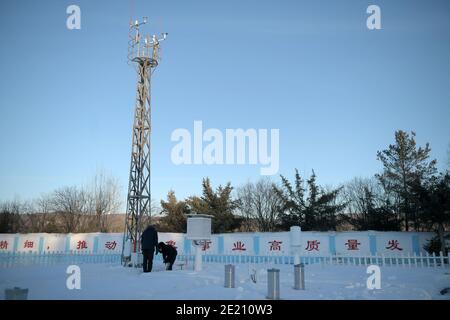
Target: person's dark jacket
[149,239]
[168,252]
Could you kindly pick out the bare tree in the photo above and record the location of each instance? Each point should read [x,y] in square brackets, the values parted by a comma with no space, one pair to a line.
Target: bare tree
[259,204]
[40,217]
[103,197]
[67,209]
[369,206]
[355,191]
[245,209]
[10,220]
[69,203]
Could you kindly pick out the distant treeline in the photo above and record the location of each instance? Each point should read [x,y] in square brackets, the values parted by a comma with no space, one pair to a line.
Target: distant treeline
[408,194]
[65,210]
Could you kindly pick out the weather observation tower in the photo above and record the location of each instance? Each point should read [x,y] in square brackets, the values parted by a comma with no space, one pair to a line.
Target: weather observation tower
[143,55]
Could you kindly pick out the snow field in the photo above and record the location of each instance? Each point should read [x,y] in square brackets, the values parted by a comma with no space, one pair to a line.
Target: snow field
[100,281]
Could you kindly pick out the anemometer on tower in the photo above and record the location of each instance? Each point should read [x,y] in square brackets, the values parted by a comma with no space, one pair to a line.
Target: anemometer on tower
[143,54]
[143,49]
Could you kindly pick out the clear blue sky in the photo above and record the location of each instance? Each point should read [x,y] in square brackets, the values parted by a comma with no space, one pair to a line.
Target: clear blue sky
[312,69]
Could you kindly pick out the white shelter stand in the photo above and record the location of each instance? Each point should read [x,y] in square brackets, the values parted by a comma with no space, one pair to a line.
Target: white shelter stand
[199,231]
[295,237]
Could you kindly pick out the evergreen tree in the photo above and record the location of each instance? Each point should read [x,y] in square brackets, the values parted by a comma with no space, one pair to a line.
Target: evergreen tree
[433,202]
[219,204]
[175,213]
[292,203]
[404,165]
[317,212]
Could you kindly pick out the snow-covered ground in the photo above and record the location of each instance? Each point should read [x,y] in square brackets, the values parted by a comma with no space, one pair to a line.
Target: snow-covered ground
[100,281]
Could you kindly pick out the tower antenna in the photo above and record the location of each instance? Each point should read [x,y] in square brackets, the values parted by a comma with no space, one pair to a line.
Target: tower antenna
[143,54]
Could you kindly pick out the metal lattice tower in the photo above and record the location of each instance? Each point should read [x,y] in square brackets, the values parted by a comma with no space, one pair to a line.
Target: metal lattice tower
[143,54]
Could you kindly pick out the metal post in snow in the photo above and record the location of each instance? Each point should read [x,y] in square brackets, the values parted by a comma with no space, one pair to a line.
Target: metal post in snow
[273,284]
[229,276]
[299,276]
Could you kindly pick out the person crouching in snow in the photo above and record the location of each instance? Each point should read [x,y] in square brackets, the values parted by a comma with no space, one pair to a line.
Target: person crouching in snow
[169,254]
